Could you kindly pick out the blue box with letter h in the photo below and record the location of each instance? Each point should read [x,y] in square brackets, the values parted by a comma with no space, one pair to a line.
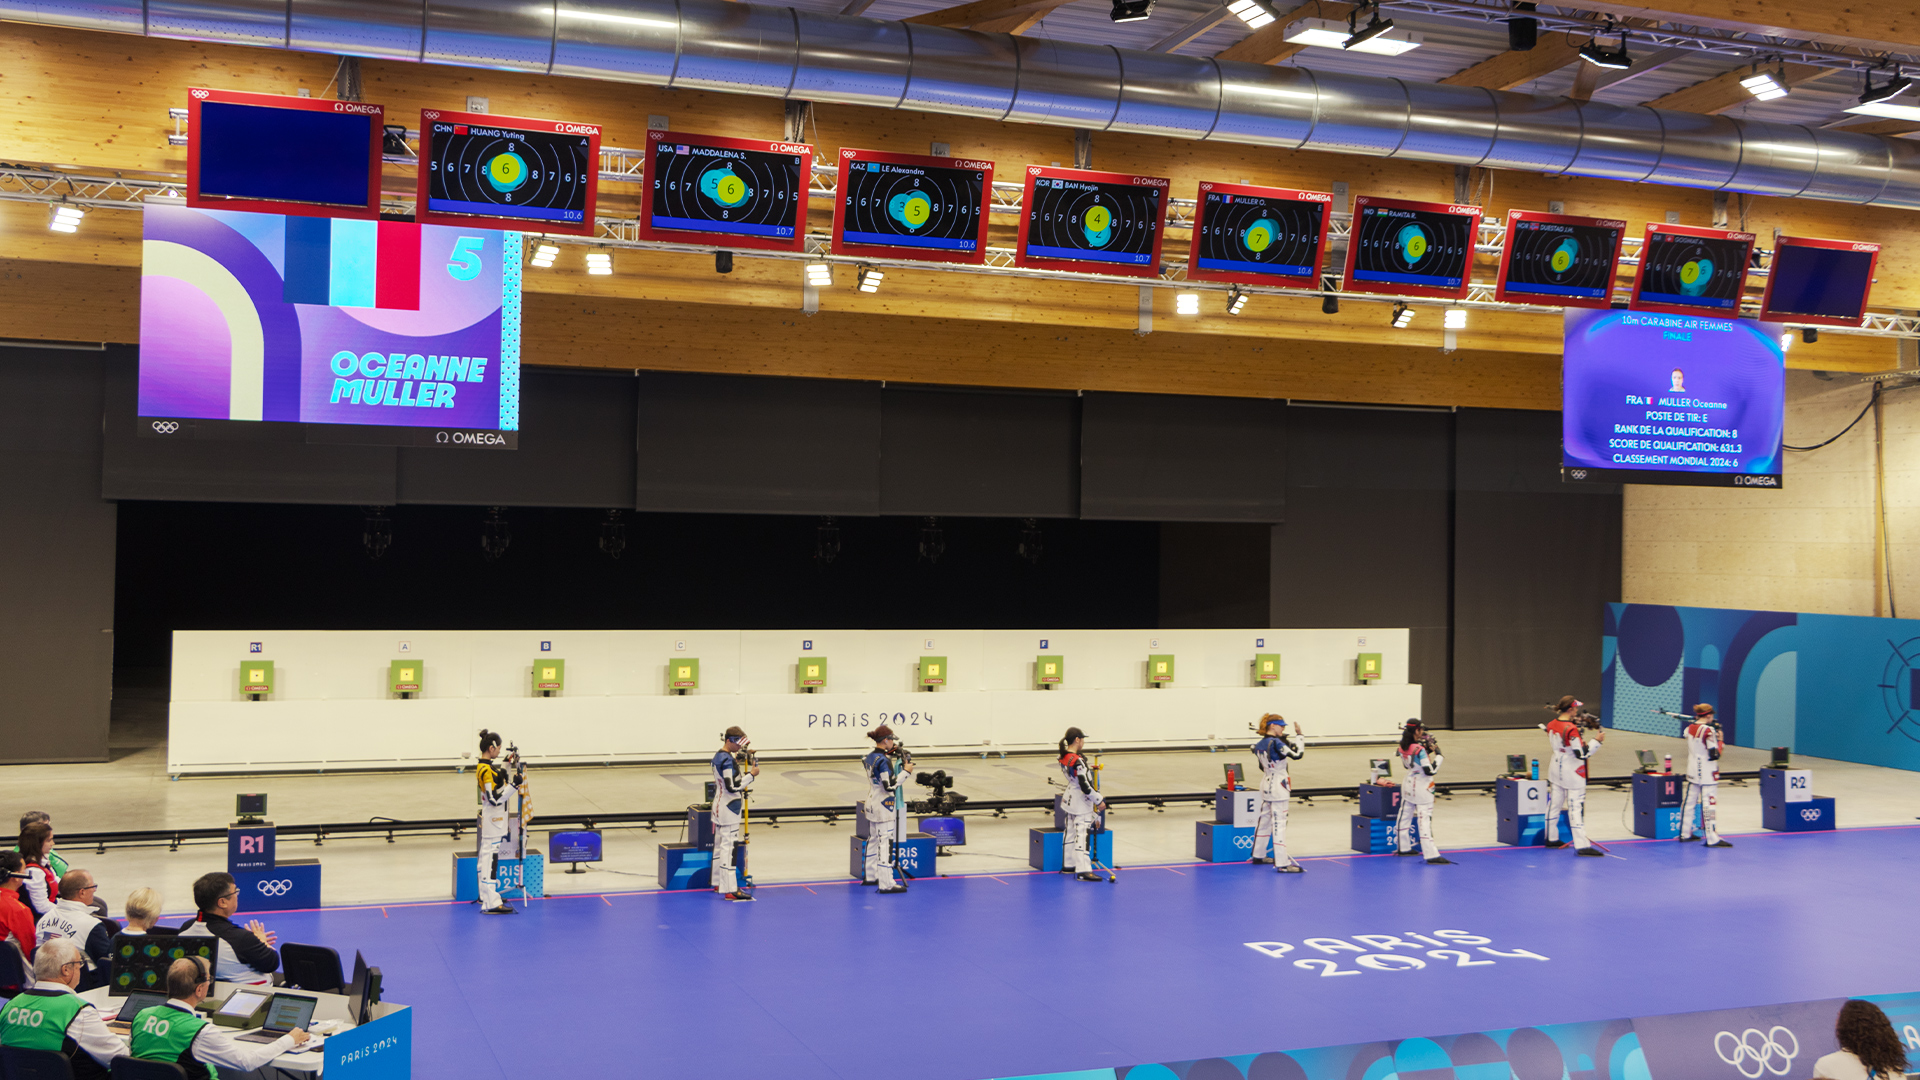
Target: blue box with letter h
[1047,848]
[1215,842]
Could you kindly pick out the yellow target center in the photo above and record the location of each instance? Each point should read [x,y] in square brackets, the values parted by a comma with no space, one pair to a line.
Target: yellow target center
[918,211]
[1099,218]
[505,170]
[1561,260]
[732,189]
[1258,239]
[1689,273]
[1416,247]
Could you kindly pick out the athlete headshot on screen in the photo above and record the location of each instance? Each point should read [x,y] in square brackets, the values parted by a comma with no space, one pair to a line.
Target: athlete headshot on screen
[1679,382]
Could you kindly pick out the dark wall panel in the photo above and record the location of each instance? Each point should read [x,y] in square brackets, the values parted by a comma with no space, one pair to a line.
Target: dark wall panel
[276,465]
[1161,457]
[756,445]
[576,449]
[1368,536]
[56,641]
[979,453]
[1214,574]
[1534,561]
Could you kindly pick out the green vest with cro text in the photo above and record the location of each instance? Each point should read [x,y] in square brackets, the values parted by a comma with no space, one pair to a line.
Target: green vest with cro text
[164,1033]
[37,1020]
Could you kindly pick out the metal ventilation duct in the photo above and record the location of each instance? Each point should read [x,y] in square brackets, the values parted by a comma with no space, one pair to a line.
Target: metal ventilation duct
[784,53]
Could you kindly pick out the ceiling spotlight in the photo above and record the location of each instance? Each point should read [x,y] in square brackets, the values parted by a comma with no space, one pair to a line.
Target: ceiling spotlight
[1809,335]
[599,263]
[1615,59]
[1456,319]
[393,141]
[1251,12]
[1331,34]
[819,275]
[1130,10]
[1767,86]
[869,279]
[1402,315]
[1523,32]
[1330,304]
[66,218]
[1878,100]
[1368,32]
[1236,301]
[1893,87]
[723,262]
[543,255]
[1186,303]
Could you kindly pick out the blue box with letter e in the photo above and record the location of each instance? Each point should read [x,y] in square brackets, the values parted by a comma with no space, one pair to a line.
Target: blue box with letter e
[1047,848]
[1217,842]
[1376,836]
[686,866]
[916,857]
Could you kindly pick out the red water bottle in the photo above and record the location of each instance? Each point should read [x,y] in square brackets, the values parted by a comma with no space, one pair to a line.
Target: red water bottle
[1669,764]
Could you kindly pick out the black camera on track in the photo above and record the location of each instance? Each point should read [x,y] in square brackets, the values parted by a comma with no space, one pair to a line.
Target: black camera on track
[942,802]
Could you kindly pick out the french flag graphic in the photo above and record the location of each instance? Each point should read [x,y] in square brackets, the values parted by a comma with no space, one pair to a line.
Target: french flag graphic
[337,262]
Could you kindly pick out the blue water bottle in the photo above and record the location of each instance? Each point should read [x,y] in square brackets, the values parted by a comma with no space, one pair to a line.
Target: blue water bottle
[1536,768]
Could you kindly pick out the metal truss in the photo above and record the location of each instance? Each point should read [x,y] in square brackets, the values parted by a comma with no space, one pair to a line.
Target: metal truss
[53,187]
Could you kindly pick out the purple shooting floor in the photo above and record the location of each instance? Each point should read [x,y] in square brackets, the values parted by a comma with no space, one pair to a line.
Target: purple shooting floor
[967,978]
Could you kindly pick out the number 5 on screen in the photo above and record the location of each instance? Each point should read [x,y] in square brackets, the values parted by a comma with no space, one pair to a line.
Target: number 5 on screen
[463,264]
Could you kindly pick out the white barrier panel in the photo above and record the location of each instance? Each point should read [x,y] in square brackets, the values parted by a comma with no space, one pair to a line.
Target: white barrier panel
[331,709]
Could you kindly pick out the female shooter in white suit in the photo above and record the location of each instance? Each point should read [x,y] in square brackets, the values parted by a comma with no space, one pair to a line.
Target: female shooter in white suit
[1420,762]
[1276,747]
[1081,803]
[1704,740]
[497,779]
[1572,737]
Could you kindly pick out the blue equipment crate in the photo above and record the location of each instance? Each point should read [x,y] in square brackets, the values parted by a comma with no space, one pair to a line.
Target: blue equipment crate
[1046,848]
[1530,830]
[292,885]
[1774,784]
[1060,816]
[1813,815]
[684,866]
[1377,801]
[916,857]
[1215,842]
[1652,791]
[1376,836]
[515,879]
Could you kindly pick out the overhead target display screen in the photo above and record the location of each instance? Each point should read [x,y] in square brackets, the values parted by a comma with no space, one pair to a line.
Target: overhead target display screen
[503,170]
[902,206]
[1558,260]
[1410,248]
[1819,281]
[1099,222]
[1691,271]
[1258,235]
[741,193]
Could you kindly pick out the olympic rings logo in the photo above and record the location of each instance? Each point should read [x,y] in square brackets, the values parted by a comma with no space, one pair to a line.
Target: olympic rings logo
[1809,815]
[166,427]
[202,94]
[1754,1053]
[1578,474]
[1243,842]
[280,887]
[430,114]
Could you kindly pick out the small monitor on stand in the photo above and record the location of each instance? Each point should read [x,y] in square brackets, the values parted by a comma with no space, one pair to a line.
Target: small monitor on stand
[250,808]
[357,989]
[1781,758]
[1380,768]
[1649,761]
[1516,764]
[1233,775]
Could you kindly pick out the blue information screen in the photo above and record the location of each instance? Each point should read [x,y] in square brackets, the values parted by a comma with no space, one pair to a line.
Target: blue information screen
[1651,398]
[284,155]
[573,847]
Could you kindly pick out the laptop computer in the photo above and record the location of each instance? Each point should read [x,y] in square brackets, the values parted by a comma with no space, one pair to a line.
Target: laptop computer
[285,1013]
[138,1001]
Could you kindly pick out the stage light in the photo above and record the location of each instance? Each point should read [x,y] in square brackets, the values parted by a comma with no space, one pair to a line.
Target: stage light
[376,534]
[495,534]
[1402,316]
[1330,304]
[1251,12]
[1613,60]
[826,541]
[543,255]
[1809,335]
[599,263]
[869,279]
[1878,100]
[1130,10]
[1236,301]
[66,219]
[1456,319]
[1331,34]
[1767,86]
[613,534]
[1893,87]
[933,539]
[723,262]
[1032,542]
[1523,32]
[819,275]
[1186,303]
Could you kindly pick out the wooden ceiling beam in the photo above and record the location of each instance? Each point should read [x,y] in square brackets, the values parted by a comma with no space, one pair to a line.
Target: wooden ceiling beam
[1269,44]
[991,16]
[1723,91]
[1513,68]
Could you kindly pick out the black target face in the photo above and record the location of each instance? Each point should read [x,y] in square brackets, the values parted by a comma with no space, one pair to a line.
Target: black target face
[897,204]
[1258,235]
[1418,249]
[1693,273]
[1562,261]
[506,172]
[1074,218]
[726,190]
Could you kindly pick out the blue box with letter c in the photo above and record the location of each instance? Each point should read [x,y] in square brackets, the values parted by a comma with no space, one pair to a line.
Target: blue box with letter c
[1047,848]
[1217,842]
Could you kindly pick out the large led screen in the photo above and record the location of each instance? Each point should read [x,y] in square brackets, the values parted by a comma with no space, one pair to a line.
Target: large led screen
[1651,398]
[262,317]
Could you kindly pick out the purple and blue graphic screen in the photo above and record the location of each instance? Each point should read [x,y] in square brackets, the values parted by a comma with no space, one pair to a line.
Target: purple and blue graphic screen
[1672,399]
[328,321]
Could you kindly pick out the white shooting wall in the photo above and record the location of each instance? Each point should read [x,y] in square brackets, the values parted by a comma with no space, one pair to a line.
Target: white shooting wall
[331,708]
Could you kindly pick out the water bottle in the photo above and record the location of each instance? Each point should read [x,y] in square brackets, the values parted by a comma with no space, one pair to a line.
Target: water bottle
[1669,764]
[1536,768]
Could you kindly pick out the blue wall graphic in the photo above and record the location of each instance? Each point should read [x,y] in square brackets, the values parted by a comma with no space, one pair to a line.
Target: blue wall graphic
[1834,686]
